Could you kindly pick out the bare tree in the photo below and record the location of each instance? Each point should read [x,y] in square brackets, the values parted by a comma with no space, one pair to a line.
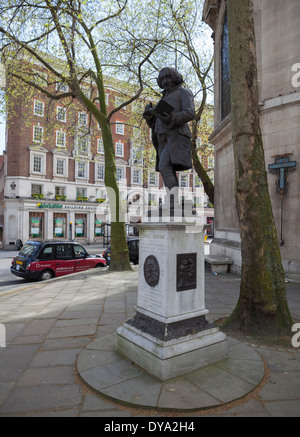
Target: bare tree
[68,38]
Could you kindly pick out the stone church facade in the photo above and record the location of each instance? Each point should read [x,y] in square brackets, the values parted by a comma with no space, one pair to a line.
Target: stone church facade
[278,64]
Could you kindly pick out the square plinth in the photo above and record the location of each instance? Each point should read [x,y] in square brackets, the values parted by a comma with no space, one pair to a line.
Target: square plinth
[169,359]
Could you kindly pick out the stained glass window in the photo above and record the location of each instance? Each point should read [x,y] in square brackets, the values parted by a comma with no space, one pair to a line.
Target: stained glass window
[225,75]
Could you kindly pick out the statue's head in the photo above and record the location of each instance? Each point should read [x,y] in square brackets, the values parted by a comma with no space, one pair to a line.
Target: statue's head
[174,75]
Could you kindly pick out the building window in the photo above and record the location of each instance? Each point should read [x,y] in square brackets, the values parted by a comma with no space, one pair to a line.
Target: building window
[80,192]
[59,191]
[59,225]
[60,139]
[60,167]
[82,118]
[100,172]
[136,153]
[118,101]
[38,134]
[36,189]
[83,145]
[40,78]
[61,113]
[119,149]
[39,108]
[225,73]
[100,147]
[153,177]
[184,180]
[99,228]
[136,176]
[120,174]
[211,161]
[80,225]
[119,128]
[36,225]
[62,87]
[82,170]
[37,164]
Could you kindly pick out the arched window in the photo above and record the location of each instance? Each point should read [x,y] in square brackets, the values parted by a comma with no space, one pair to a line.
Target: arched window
[225,74]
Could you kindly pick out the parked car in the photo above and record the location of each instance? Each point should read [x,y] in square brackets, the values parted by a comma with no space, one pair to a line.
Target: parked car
[41,261]
[133,248]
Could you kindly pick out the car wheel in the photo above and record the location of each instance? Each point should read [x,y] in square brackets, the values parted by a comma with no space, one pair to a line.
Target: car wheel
[99,265]
[46,274]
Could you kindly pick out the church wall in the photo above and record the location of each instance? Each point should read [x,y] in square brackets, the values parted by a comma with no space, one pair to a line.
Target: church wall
[277,39]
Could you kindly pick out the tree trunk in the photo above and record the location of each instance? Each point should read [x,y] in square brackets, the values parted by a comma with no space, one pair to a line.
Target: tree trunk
[207,183]
[119,260]
[262,305]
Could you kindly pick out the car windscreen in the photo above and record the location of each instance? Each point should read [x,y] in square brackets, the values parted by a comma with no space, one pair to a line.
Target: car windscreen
[28,250]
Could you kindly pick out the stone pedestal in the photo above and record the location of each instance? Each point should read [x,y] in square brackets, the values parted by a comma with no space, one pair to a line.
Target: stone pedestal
[169,335]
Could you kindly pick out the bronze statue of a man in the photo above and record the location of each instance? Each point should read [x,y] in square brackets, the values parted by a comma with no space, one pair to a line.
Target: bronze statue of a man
[168,120]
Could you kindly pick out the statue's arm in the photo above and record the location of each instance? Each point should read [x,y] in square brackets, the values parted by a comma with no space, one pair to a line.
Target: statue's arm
[149,115]
[187,112]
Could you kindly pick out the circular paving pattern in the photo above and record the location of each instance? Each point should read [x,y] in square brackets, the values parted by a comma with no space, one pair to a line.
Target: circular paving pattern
[104,371]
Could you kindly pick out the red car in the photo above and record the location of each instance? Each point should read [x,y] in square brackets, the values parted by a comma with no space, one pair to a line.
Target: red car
[47,260]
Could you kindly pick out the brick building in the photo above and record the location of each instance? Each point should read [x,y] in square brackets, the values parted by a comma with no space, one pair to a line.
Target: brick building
[52,178]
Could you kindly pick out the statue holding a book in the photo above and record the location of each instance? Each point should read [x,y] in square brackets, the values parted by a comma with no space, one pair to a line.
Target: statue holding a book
[168,120]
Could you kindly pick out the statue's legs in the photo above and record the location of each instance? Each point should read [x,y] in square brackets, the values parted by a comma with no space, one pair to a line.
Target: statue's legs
[167,170]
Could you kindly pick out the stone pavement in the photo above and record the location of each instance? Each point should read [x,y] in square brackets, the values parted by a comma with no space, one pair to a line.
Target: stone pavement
[55,327]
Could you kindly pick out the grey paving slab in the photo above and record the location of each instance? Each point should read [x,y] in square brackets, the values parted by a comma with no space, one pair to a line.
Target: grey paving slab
[182,394]
[142,390]
[26,399]
[52,326]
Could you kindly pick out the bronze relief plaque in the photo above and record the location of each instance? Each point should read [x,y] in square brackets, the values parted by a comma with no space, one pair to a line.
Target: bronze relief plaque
[151,271]
[186,271]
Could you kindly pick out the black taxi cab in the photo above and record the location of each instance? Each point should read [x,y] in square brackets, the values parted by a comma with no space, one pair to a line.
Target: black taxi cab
[46,260]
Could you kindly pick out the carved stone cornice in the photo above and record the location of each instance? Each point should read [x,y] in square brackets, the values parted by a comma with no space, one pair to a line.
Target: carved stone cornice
[211,12]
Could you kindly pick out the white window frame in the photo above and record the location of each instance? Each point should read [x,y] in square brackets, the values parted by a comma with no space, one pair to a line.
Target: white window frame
[83,192]
[199,184]
[59,111]
[42,157]
[39,111]
[34,133]
[40,78]
[82,115]
[80,140]
[184,175]
[120,180]
[119,152]
[211,161]
[100,146]
[37,161]
[62,87]
[153,172]
[100,177]
[59,191]
[86,170]
[62,134]
[120,128]
[136,172]
[136,155]
[66,166]
[63,167]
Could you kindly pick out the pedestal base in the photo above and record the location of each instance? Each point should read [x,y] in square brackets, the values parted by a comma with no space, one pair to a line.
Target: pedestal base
[169,359]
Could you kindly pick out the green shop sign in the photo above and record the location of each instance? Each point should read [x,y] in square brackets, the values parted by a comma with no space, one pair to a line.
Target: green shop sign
[49,205]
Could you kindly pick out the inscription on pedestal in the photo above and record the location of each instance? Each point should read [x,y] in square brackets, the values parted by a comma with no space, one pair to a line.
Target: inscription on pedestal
[186,271]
